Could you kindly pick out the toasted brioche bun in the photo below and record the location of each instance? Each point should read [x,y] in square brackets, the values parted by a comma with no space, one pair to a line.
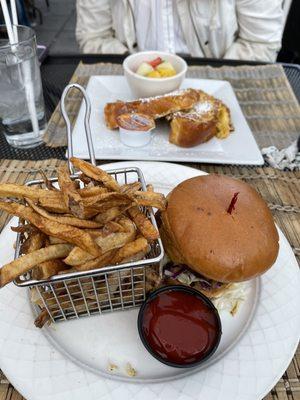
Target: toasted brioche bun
[197,230]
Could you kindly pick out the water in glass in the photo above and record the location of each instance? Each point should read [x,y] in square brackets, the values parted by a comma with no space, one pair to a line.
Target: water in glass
[20,84]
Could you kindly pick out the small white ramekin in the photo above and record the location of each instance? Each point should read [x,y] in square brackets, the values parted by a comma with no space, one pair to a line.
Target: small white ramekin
[135,138]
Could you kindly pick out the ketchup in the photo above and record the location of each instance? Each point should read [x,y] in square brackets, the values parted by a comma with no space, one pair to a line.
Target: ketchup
[180,327]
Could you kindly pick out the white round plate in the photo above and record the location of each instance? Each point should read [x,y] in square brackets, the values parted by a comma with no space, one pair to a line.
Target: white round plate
[70,359]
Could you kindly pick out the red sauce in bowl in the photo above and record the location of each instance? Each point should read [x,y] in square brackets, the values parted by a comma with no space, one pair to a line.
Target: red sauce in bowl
[179,326]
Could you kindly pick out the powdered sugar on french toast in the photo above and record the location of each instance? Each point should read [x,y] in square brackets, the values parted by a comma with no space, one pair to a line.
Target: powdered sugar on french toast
[175,93]
[203,107]
[199,110]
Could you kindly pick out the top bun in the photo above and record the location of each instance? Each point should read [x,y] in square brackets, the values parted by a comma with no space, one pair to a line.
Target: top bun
[197,229]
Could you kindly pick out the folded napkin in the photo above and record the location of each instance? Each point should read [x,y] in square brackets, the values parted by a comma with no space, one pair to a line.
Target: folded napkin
[288,158]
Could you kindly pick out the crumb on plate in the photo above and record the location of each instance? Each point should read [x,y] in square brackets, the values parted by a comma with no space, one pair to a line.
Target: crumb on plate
[112,367]
[130,371]
[235,308]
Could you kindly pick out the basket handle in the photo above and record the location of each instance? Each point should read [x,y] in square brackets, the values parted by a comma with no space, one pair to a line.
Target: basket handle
[86,124]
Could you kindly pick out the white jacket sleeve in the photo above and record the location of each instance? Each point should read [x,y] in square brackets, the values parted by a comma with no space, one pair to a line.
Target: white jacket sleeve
[260,25]
[94,31]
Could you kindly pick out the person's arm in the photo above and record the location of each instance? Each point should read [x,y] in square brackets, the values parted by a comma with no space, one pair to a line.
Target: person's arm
[260,24]
[94,32]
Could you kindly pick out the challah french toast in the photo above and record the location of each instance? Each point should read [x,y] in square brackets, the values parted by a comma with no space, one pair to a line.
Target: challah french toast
[155,107]
[209,117]
[195,116]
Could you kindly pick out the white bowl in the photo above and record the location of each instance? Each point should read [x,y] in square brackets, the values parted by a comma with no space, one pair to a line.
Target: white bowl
[142,86]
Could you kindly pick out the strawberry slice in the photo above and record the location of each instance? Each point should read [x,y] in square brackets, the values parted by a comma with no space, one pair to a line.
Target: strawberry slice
[154,63]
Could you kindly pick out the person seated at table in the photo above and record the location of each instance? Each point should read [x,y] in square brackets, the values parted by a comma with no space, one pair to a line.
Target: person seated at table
[233,29]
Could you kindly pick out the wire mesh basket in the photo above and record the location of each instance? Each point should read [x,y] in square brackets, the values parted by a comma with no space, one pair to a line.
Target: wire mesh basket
[114,287]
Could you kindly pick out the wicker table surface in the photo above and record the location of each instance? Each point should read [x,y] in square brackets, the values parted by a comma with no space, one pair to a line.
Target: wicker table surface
[280,189]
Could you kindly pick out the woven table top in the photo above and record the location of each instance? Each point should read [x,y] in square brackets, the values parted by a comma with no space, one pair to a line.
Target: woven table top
[273,115]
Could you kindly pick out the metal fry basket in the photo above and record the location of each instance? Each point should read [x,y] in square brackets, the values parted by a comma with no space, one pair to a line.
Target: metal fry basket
[106,289]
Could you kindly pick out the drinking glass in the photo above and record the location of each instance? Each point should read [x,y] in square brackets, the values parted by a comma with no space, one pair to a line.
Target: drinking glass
[22,113]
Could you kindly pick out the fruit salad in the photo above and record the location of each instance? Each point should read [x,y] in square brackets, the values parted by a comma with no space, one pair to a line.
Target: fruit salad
[156,68]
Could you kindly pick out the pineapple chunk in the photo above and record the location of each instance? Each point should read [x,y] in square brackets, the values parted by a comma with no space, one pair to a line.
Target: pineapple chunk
[144,69]
[154,74]
[167,73]
[166,69]
[165,65]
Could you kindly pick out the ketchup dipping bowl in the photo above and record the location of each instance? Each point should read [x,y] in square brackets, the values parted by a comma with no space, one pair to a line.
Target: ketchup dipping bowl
[179,326]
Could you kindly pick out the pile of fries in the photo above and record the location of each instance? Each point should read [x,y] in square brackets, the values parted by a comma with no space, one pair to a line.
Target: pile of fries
[87,223]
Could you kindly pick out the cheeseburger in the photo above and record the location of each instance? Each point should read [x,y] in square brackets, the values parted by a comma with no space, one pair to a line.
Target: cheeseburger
[217,231]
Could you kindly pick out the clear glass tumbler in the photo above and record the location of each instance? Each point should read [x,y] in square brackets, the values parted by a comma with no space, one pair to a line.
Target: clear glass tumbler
[22,113]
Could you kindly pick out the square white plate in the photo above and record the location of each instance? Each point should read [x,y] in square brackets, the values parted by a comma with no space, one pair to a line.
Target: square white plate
[239,148]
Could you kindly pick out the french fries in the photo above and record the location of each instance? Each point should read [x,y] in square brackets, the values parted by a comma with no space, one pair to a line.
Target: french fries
[19,192]
[42,318]
[73,221]
[71,197]
[133,251]
[92,191]
[55,240]
[130,188]
[95,173]
[53,203]
[107,200]
[151,199]
[33,242]
[110,214]
[77,256]
[49,185]
[143,224]
[98,262]
[25,228]
[18,267]
[113,240]
[86,224]
[70,234]
[47,269]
